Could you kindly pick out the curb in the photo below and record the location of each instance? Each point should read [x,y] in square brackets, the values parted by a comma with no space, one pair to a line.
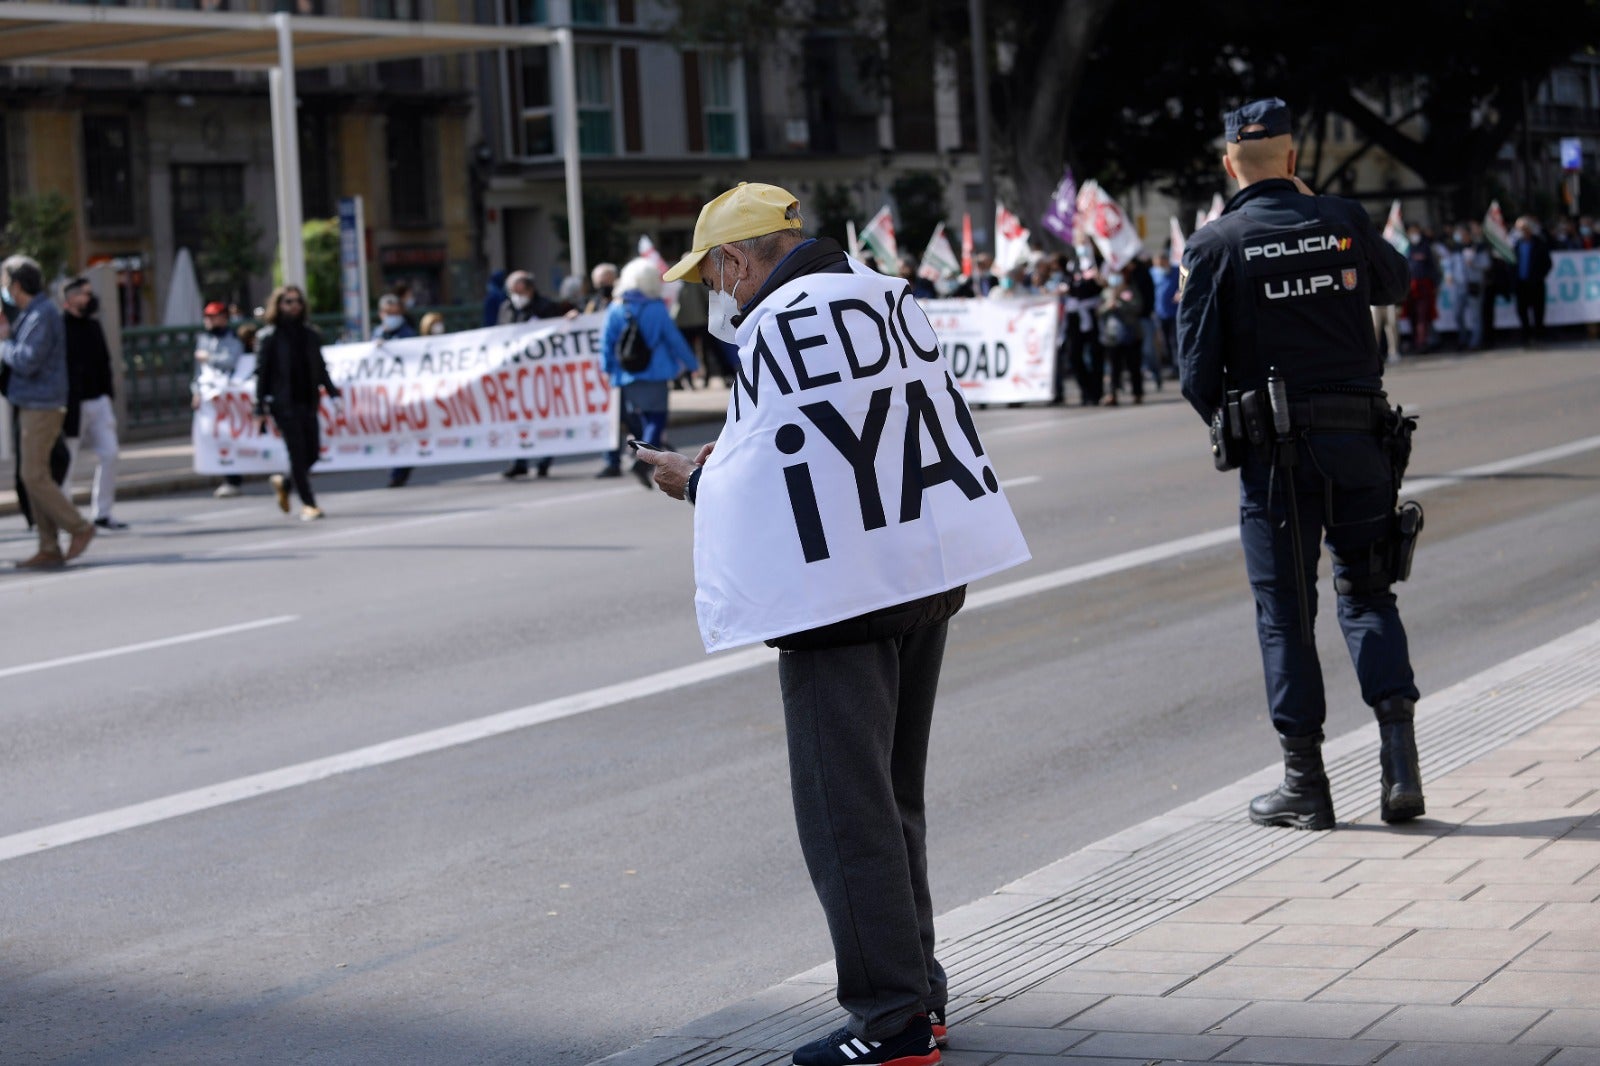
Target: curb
[1040,925]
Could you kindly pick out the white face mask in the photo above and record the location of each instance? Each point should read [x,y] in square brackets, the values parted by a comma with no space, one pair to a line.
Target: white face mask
[519,300]
[721,309]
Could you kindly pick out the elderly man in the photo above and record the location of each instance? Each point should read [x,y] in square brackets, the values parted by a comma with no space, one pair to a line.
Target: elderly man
[36,352]
[839,516]
[603,283]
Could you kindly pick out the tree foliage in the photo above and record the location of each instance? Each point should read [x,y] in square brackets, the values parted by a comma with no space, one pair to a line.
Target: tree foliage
[919,195]
[833,205]
[606,238]
[322,286]
[230,254]
[1133,91]
[40,227]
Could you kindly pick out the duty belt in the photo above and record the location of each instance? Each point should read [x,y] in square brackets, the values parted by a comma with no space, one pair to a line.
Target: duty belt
[1336,411]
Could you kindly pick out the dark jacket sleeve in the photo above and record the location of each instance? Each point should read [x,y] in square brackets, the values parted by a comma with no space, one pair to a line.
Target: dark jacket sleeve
[314,353]
[266,368]
[1200,338]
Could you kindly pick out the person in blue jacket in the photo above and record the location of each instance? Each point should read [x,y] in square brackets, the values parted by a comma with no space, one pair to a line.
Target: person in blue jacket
[645,392]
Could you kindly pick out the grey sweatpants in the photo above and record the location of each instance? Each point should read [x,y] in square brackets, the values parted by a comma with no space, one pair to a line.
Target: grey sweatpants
[858,719]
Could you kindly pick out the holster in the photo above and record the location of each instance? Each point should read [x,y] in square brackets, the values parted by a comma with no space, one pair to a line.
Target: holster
[1403,539]
[1225,443]
[1396,432]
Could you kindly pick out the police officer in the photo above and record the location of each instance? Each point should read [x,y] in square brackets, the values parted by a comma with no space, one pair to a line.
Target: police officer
[1280,286]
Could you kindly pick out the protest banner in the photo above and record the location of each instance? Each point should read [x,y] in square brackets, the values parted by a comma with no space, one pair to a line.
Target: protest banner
[878,238]
[849,475]
[1061,216]
[938,258]
[518,391]
[1494,231]
[1000,351]
[1010,240]
[1572,295]
[1394,230]
[1108,226]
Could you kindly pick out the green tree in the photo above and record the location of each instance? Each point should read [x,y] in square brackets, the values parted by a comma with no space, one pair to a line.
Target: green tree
[832,206]
[919,194]
[40,227]
[230,254]
[606,237]
[320,237]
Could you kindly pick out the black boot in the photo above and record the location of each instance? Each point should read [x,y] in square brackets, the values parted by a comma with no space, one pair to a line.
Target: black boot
[1303,800]
[1401,799]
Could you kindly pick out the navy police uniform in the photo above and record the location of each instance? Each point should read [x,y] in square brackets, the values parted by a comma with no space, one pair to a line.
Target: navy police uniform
[1284,280]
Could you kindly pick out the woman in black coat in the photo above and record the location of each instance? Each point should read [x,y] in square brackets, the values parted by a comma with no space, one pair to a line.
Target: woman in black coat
[290,375]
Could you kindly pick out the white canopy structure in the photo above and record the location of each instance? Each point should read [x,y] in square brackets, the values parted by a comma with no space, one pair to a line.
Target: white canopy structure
[72,35]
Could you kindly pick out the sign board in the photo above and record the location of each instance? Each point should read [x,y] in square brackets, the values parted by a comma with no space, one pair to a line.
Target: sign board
[1571,153]
[353,269]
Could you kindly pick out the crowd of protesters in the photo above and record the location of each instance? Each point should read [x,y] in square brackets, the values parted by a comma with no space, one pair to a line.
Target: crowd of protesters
[1115,337]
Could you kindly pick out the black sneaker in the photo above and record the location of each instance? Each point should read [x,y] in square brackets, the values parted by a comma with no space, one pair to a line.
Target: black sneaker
[111,524]
[941,1035]
[914,1046]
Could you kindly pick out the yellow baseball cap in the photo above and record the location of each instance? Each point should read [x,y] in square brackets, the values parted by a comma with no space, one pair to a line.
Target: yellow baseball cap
[742,212]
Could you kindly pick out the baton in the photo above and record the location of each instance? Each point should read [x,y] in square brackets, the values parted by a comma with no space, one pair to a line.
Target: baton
[1286,457]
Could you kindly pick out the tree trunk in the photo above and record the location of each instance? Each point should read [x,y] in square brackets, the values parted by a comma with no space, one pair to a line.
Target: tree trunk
[1038,130]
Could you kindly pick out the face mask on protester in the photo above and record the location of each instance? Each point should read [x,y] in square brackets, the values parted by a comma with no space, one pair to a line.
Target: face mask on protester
[5,294]
[91,306]
[393,322]
[1114,278]
[520,300]
[1461,236]
[722,308]
[218,331]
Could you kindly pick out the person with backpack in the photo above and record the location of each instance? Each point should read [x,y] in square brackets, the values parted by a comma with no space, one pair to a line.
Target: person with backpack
[642,352]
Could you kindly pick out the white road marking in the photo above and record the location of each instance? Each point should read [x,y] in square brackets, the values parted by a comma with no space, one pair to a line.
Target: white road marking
[226,792]
[242,788]
[146,645]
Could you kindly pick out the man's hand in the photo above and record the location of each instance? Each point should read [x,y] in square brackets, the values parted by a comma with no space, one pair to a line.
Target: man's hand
[672,469]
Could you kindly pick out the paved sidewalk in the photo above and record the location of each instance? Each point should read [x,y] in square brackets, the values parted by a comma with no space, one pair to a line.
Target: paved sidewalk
[159,467]
[1470,937]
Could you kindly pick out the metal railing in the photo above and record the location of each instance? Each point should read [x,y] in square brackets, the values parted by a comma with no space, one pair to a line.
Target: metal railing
[158,364]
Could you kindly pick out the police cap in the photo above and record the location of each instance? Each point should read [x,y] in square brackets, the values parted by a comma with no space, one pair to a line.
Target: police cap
[1271,114]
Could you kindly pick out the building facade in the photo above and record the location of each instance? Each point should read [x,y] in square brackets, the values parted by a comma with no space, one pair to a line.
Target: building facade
[154,161]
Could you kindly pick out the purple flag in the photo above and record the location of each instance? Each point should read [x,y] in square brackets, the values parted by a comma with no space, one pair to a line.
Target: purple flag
[1060,218]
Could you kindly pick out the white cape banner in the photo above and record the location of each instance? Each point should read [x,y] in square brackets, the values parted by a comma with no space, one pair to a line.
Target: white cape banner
[1000,351]
[525,390]
[849,475]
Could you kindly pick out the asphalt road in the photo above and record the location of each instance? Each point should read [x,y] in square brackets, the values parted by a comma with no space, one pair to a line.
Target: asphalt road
[557,892]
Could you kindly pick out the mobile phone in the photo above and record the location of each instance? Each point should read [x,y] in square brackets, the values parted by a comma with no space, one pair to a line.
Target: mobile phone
[636,444]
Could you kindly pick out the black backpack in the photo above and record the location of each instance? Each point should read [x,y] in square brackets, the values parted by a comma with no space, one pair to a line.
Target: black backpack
[633,351]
